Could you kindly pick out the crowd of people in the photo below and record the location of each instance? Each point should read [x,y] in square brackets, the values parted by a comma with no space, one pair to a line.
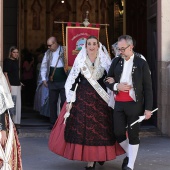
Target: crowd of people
[99,99]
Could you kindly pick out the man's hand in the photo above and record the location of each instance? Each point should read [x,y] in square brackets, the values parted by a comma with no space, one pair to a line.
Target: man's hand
[147,114]
[123,87]
[45,83]
[3,138]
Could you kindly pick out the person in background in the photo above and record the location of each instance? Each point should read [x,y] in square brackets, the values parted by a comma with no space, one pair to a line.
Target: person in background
[88,134]
[41,98]
[53,76]
[114,50]
[40,58]
[11,71]
[10,148]
[28,79]
[130,79]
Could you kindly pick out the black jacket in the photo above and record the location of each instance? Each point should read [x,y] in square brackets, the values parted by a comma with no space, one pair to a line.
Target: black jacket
[141,79]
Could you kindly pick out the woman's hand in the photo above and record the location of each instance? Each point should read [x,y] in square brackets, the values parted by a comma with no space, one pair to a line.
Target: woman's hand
[3,137]
[68,107]
[110,80]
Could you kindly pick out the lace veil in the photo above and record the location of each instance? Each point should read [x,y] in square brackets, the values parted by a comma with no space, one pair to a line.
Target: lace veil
[5,95]
[105,61]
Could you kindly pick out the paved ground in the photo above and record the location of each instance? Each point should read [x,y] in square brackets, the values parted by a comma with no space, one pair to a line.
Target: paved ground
[154,152]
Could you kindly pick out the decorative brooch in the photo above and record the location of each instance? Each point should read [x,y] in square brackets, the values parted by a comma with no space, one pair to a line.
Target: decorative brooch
[133,69]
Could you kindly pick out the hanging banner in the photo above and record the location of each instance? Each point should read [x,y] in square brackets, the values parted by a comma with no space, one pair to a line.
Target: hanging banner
[75,39]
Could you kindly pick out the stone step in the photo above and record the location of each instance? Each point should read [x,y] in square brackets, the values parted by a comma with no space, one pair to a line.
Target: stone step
[34,131]
[44,131]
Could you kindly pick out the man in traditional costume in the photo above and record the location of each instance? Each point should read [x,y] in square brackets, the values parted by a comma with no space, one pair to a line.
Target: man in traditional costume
[132,87]
[53,76]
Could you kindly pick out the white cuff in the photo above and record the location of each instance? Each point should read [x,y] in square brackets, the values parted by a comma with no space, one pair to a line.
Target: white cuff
[71,96]
[115,87]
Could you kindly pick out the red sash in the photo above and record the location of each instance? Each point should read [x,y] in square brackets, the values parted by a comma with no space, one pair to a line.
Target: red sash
[123,97]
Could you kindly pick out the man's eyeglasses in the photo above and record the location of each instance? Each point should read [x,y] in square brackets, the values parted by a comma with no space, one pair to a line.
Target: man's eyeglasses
[122,49]
[49,46]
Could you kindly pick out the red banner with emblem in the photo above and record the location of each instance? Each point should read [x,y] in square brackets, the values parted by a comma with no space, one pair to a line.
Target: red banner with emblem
[75,39]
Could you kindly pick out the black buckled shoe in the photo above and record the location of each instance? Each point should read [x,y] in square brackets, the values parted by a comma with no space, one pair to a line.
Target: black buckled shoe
[101,162]
[125,162]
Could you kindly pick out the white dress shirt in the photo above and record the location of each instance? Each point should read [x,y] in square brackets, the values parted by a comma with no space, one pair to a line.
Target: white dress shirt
[126,76]
[44,66]
[55,55]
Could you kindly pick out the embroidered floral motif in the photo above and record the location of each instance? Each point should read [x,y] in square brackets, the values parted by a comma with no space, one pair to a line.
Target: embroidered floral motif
[133,69]
[97,70]
[2,103]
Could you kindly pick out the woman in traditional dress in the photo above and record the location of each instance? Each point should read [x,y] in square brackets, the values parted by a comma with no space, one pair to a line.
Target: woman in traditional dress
[88,133]
[10,149]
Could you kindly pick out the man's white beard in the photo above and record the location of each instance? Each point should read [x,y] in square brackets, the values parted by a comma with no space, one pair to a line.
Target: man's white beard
[123,56]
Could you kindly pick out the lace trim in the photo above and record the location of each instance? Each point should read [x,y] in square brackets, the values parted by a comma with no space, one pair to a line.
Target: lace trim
[2,104]
[105,62]
[5,95]
[97,70]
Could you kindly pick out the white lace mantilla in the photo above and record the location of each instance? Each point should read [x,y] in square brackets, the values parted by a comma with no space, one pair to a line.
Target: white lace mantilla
[105,62]
[95,69]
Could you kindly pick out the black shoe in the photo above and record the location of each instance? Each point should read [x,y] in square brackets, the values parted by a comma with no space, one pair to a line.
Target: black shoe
[101,162]
[125,162]
[93,167]
[127,168]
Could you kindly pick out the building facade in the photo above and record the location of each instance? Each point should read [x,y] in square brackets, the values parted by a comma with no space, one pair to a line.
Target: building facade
[28,24]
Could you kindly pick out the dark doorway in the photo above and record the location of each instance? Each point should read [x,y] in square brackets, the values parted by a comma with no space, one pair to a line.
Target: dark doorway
[10,15]
[141,24]
[136,24]
[152,50]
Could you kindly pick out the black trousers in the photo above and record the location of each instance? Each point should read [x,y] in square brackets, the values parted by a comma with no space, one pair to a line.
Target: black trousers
[125,113]
[55,89]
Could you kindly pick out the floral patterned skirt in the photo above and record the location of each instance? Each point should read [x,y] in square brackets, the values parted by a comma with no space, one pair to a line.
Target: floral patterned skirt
[81,152]
[15,158]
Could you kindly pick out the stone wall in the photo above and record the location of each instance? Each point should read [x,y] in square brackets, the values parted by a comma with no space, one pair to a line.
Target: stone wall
[32,23]
[36,19]
[163,47]
[164,97]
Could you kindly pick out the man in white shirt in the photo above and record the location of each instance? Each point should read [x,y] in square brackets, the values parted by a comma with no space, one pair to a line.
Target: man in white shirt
[132,87]
[53,76]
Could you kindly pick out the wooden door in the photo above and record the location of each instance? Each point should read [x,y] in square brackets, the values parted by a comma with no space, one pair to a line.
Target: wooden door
[10,25]
[136,23]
